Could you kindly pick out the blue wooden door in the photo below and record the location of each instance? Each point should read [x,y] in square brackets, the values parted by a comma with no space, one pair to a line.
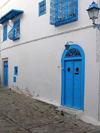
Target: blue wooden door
[73,84]
[6,73]
[69,83]
[77,84]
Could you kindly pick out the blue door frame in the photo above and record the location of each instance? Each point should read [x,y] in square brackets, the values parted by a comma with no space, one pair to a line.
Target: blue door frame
[5,73]
[73,81]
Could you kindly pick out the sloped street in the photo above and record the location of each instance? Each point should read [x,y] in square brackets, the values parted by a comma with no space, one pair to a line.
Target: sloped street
[22,114]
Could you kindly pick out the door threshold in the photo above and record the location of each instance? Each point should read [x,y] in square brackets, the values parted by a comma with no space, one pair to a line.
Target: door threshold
[71,111]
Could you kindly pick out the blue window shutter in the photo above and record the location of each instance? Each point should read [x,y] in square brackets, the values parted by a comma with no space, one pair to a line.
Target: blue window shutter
[14,79]
[16,70]
[5,33]
[14,33]
[63,11]
[53,11]
[42,8]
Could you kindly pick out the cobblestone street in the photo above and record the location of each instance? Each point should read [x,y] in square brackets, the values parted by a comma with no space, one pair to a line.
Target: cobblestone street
[22,114]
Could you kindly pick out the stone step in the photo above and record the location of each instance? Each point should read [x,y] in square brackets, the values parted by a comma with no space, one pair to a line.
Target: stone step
[75,113]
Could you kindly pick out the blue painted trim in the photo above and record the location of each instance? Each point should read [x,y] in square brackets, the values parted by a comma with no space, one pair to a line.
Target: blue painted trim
[5,33]
[17,21]
[63,59]
[16,70]
[42,8]
[14,79]
[6,73]
[17,34]
[75,58]
[14,33]
[10,15]
[54,13]
[93,5]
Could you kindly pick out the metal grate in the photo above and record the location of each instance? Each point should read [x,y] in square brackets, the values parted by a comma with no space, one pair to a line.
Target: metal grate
[63,11]
[17,30]
[42,8]
[73,53]
[14,33]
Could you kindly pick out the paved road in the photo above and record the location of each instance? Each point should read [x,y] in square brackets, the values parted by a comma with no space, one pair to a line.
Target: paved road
[22,114]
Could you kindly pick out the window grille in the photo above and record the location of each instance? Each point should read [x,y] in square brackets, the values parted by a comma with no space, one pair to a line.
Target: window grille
[73,53]
[5,33]
[63,11]
[14,33]
[17,29]
[42,7]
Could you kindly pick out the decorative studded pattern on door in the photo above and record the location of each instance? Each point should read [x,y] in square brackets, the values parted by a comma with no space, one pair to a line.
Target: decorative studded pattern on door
[73,77]
[72,84]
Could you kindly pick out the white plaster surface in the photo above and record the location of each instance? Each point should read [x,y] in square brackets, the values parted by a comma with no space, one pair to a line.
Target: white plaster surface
[38,54]
[90,120]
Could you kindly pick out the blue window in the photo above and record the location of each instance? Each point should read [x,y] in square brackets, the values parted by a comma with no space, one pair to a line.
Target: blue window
[16,70]
[17,30]
[14,79]
[63,11]
[42,7]
[14,33]
[73,53]
[5,33]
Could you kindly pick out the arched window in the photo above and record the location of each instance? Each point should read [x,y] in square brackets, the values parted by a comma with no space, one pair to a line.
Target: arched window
[73,53]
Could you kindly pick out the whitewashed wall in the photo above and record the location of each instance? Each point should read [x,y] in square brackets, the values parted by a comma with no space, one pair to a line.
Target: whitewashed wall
[38,54]
[36,27]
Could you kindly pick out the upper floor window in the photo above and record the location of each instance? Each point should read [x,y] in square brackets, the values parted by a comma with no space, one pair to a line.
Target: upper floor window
[14,33]
[17,30]
[5,33]
[42,7]
[63,11]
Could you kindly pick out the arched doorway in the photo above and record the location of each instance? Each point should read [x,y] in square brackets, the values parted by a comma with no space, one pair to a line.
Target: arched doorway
[73,67]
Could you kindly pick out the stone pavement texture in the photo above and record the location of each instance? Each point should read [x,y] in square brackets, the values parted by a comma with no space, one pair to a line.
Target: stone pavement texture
[22,114]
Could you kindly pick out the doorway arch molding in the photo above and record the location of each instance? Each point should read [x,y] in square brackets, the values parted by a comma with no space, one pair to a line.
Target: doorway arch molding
[72,58]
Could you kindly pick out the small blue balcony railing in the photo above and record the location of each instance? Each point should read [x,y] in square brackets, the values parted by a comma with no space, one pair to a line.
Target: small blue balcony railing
[14,33]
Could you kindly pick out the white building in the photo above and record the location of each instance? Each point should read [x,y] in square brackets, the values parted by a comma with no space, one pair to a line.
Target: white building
[35,61]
